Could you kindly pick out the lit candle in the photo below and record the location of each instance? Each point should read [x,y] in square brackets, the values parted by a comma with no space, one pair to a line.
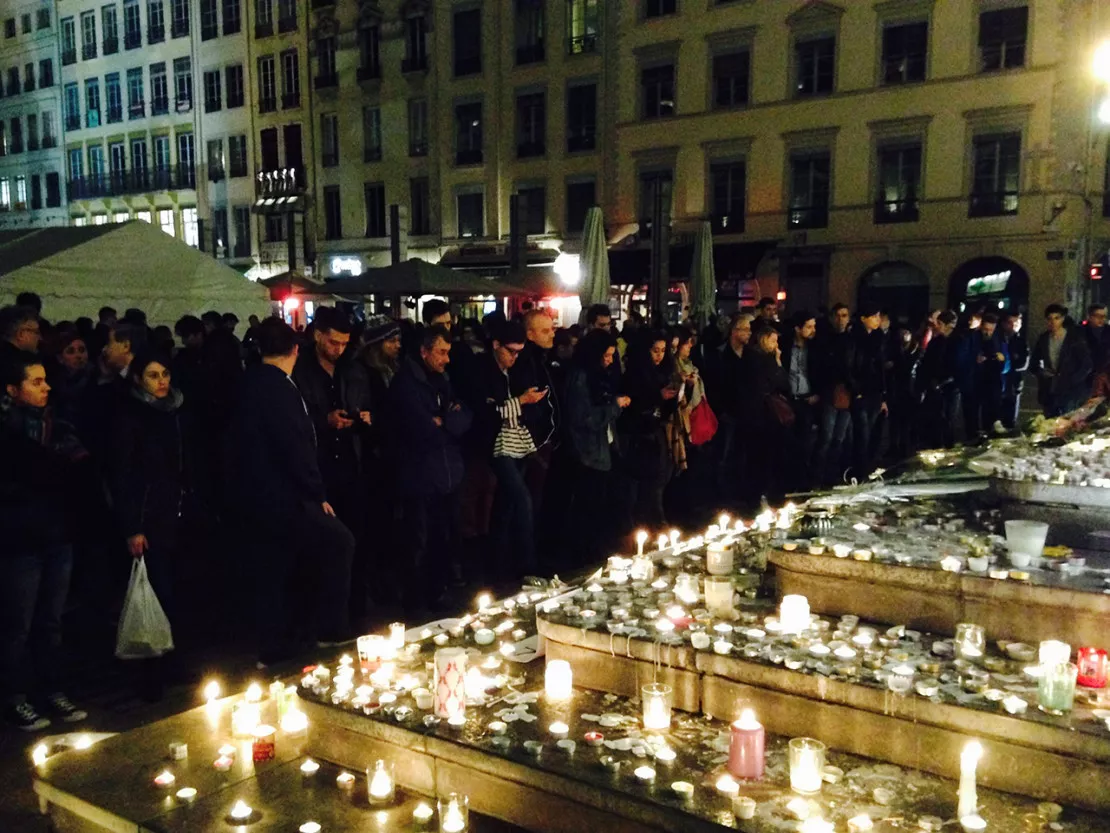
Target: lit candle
[743,807]
[656,699]
[860,824]
[1053,652]
[379,786]
[722,522]
[263,746]
[422,813]
[683,789]
[816,824]
[794,616]
[254,693]
[746,747]
[40,754]
[165,778]
[644,773]
[674,536]
[484,601]
[641,539]
[450,682]
[310,827]
[345,780]
[727,785]
[397,635]
[973,823]
[241,810]
[558,680]
[559,729]
[223,763]
[807,764]
[186,794]
[453,814]
[967,799]
[212,691]
[661,542]
[309,767]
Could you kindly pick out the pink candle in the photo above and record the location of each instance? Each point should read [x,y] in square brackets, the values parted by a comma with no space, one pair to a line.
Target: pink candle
[745,748]
[1092,664]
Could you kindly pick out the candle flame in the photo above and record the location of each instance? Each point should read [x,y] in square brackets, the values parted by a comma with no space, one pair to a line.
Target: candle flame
[212,691]
[747,720]
[39,754]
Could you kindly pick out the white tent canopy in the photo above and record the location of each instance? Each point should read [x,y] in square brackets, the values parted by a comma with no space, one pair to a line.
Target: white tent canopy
[77,271]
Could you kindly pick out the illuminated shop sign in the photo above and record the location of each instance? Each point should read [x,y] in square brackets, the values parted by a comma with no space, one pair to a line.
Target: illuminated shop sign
[989,284]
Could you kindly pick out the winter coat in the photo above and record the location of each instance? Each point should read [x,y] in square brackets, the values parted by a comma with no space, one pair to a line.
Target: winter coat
[428,456]
[531,371]
[591,413]
[1067,387]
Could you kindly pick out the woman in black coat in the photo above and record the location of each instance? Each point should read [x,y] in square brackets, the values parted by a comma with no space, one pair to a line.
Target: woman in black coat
[147,476]
[768,414]
[649,382]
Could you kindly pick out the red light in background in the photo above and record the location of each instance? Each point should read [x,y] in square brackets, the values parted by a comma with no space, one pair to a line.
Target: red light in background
[291,303]
[780,295]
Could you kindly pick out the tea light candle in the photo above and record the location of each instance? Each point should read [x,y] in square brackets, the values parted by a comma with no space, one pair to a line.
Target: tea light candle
[860,824]
[950,564]
[559,729]
[973,823]
[967,797]
[344,780]
[380,787]
[683,789]
[794,616]
[212,691]
[456,721]
[422,813]
[727,785]
[816,824]
[294,722]
[309,767]
[746,747]
[241,811]
[484,601]
[186,794]
[39,754]
[165,778]
[743,807]
[310,827]
[1014,704]
[223,763]
[644,774]
[254,693]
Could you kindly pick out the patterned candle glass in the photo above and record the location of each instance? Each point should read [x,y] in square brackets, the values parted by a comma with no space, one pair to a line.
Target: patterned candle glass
[450,682]
[719,558]
[718,596]
[971,641]
[1092,667]
[1056,688]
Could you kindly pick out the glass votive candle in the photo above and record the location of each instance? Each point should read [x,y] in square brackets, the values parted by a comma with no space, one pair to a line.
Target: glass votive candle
[380,786]
[718,596]
[454,813]
[1056,688]
[1092,664]
[971,641]
[686,588]
[657,701]
[807,765]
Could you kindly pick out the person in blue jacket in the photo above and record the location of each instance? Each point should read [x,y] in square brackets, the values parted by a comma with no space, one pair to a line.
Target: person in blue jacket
[992,364]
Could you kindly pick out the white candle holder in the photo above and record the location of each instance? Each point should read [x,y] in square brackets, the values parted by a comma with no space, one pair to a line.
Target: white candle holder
[718,596]
[381,789]
[558,680]
[454,813]
[450,682]
[807,765]
[657,705]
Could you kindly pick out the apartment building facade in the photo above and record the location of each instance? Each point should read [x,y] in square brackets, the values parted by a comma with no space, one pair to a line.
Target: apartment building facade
[31,162]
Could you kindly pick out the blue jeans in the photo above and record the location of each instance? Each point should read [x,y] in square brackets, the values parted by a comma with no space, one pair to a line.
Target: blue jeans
[834,425]
[511,527]
[33,591]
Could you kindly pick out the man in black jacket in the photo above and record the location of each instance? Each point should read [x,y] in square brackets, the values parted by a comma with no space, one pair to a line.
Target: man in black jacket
[274,477]
[867,385]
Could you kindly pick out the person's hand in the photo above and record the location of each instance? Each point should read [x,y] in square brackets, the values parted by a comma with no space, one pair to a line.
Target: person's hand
[438,421]
[668,394]
[624,401]
[327,508]
[778,356]
[883,409]
[338,421]
[980,358]
[531,396]
[999,357]
[364,416]
[137,545]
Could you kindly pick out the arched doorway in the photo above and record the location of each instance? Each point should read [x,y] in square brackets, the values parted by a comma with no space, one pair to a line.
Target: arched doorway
[899,288]
[994,283]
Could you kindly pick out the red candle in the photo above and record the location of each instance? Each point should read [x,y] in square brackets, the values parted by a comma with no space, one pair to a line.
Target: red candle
[1092,667]
[745,748]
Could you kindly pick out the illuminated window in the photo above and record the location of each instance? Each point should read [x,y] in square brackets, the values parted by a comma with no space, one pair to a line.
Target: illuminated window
[165,221]
[189,226]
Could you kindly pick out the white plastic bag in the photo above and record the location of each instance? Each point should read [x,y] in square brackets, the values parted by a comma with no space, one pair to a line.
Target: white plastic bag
[144,631]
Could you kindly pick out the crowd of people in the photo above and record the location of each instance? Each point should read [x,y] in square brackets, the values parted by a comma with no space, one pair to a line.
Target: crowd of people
[366,466]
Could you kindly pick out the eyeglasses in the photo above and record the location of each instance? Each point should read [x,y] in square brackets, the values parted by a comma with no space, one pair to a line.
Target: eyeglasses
[516,351]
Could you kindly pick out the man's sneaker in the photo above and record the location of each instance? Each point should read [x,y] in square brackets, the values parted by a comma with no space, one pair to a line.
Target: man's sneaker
[61,706]
[999,428]
[23,716]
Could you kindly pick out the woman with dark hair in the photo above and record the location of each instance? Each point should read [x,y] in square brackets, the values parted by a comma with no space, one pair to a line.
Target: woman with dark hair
[592,408]
[649,381]
[69,375]
[769,416]
[148,479]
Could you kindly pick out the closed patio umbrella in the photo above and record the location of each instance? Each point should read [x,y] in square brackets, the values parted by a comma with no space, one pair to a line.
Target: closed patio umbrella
[703,279]
[595,287]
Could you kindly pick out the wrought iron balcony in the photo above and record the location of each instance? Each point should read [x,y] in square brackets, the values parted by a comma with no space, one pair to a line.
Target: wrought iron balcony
[69,56]
[582,45]
[155,34]
[111,46]
[323,82]
[120,183]
[132,40]
[896,211]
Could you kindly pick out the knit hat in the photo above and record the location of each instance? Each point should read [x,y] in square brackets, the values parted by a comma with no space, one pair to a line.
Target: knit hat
[380,328]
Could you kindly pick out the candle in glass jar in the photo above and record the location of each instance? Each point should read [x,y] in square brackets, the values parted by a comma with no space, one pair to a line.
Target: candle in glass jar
[656,699]
[453,811]
[1056,688]
[746,747]
[718,596]
[1053,652]
[794,614]
[397,635]
[380,787]
[1092,667]
[719,558]
[558,680]
[970,641]
[641,539]
[450,682]
[807,765]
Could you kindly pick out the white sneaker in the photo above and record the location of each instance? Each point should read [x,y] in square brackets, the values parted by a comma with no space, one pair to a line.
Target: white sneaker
[999,428]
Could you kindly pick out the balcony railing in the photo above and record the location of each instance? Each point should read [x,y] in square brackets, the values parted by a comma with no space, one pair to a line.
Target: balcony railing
[180,28]
[732,223]
[323,82]
[88,51]
[531,53]
[111,46]
[73,122]
[115,114]
[802,217]
[582,45]
[132,40]
[136,110]
[69,56]
[119,183]
[267,105]
[896,211]
[287,24]
[468,156]
[159,106]
[996,204]
[263,29]
[418,63]
[49,142]
[290,100]
[155,34]
[370,73]
[576,143]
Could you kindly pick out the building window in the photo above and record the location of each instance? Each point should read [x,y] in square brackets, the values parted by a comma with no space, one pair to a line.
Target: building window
[9,27]
[263,18]
[209,20]
[132,25]
[219,232]
[731,77]
[186,160]
[117,164]
[529,31]
[17,135]
[233,17]
[329,140]
[32,132]
[371,134]
[287,15]
[814,66]
[88,36]
[190,231]
[905,49]
[72,104]
[76,166]
[581,196]
[13,81]
[657,91]
[654,183]
[159,89]
[581,118]
[268,148]
[728,186]
[333,218]
[996,174]
[374,196]
[899,184]
[468,133]
[3,140]
[290,80]
[242,216]
[275,228]
[53,190]
[162,165]
[69,41]
[1002,36]
[216,170]
[110,29]
[36,192]
[114,96]
[25,24]
[183,84]
[212,92]
[416,44]
[583,26]
[267,85]
[21,192]
[46,73]
[418,127]
[5,191]
[326,75]
[809,190]
[166,223]
[471,209]
[237,156]
[29,77]
[532,208]
[155,21]
[136,107]
[179,22]
[531,126]
[139,167]
[92,102]
[467,37]
[369,53]
[420,205]
[49,135]
[234,77]
[659,8]
[43,19]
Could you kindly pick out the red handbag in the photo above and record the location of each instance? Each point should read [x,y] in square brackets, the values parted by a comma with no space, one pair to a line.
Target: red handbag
[703,423]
